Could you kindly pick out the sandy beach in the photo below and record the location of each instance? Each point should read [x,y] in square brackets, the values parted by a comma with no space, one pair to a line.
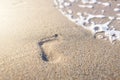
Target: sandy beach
[38,43]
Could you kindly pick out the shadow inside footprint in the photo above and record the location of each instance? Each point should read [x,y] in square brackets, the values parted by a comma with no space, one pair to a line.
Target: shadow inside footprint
[41,43]
[44,56]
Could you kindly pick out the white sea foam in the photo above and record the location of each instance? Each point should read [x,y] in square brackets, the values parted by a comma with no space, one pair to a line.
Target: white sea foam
[84,19]
[117,9]
[86,6]
[89,1]
[104,4]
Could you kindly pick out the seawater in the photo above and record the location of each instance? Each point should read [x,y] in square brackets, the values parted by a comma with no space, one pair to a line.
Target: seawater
[98,16]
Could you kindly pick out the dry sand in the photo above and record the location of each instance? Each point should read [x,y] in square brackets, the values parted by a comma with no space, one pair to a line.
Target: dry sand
[73,55]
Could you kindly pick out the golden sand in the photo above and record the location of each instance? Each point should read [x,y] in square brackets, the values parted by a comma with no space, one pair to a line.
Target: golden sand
[73,55]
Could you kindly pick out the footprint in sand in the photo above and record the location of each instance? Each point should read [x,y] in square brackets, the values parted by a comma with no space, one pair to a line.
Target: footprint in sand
[49,49]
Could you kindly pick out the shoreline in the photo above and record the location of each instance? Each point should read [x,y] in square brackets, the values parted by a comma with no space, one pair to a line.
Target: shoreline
[96,23]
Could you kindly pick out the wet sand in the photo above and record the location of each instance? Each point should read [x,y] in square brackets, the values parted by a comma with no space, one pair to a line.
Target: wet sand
[30,51]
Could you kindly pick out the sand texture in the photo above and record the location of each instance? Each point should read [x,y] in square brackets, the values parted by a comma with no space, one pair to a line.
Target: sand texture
[38,43]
